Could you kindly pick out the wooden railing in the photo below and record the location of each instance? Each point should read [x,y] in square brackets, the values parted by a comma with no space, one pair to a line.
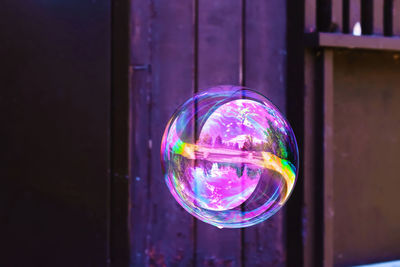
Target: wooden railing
[335,23]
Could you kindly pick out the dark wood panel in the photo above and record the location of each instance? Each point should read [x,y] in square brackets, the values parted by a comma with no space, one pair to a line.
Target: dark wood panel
[219,63]
[120,135]
[55,102]
[169,229]
[140,71]
[265,64]
[366,144]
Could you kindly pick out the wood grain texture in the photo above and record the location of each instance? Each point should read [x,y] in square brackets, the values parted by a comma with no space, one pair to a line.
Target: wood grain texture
[140,99]
[352,42]
[310,17]
[328,69]
[265,58]
[219,49]
[163,229]
[366,144]
[309,155]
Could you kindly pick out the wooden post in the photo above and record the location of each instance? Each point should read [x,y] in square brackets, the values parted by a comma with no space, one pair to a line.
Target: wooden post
[396,18]
[310,16]
[354,14]
[265,52]
[378,17]
[219,62]
[328,157]
[337,15]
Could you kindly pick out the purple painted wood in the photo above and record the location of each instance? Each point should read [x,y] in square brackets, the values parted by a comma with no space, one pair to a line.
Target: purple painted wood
[337,16]
[265,57]
[170,226]
[378,17]
[161,229]
[140,160]
[310,17]
[219,63]
[396,17]
[354,14]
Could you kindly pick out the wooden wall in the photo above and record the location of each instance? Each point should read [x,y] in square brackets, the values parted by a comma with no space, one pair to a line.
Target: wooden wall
[351,132]
[366,141]
[180,48]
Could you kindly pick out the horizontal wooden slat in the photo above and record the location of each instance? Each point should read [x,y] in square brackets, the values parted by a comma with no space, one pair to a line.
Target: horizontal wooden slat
[354,42]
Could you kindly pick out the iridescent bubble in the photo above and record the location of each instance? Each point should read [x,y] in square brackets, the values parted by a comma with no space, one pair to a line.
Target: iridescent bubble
[229,157]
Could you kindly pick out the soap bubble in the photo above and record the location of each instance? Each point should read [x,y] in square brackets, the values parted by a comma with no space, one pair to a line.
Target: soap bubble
[229,157]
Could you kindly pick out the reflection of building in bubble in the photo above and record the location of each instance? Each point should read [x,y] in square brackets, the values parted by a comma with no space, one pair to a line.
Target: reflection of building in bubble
[242,166]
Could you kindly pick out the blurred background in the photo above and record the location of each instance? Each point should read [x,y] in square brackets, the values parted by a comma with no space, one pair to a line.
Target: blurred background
[87,87]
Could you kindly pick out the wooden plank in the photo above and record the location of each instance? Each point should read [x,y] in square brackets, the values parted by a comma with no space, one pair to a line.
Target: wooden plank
[140,108]
[219,55]
[367,17]
[378,17]
[354,14]
[56,111]
[353,42]
[310,16]
[169,228]
[362,204]
[337,16]
[309,158]
[294,112]
[265,71]
[328,157]
[396,18]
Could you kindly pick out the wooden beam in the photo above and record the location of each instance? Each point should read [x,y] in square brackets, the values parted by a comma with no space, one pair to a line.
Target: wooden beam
[328,156]
[352,42]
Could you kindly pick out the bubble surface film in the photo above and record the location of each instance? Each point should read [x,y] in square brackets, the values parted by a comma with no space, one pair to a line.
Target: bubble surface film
[229,157]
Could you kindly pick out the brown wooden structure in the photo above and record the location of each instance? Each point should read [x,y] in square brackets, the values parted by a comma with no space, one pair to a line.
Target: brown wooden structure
[88,87]
[350,105]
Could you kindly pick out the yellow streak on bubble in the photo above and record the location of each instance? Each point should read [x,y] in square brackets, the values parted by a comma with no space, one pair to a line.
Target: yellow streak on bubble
[268,160]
